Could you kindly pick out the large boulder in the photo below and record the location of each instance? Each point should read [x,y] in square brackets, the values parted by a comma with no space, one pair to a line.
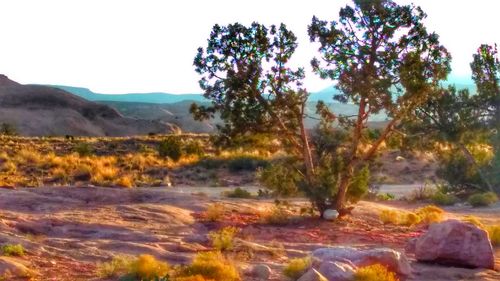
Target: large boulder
[261,271]
[393,259]
[455,242]
[338,271]
[312,275]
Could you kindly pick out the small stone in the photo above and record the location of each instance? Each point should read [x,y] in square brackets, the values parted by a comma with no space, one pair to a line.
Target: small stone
[261,271]
[330,214]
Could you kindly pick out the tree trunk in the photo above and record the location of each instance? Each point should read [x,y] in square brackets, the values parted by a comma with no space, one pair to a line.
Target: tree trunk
[473,162]
[306,152]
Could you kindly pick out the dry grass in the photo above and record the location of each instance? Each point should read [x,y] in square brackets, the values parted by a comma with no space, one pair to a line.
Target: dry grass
[297,267]
[211,266]
[426,215]
[215,212]
[376,272]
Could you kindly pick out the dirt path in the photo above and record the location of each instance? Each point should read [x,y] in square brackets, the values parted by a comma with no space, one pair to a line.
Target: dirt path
[66,231]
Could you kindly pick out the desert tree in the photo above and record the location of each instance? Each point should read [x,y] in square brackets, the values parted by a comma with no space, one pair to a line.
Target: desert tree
[454,118]
[245,74]
[486,74]
[383,59]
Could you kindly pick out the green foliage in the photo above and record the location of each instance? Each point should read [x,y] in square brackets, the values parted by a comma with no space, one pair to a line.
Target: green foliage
[7,129]
[222,240]
[482,199]
[147,268]
[12,250]
[375,272]
[238,193]
[171,148]
[212,266]
[297,267]
[246,163]
[118,266]
[359,185]
[83,149]
[282,177]
[443,199]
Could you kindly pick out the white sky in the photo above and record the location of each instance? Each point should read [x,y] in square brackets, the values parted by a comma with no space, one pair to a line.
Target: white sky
[119,46]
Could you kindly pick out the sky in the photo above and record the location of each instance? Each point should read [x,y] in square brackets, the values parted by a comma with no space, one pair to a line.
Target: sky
[125,46]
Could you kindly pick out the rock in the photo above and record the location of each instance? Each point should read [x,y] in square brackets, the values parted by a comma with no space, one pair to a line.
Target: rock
[338,271]
[458,243]
[13,269]
[330,214]
[196,238]
[312,275]
[411,245]
[393,259]
[261,271]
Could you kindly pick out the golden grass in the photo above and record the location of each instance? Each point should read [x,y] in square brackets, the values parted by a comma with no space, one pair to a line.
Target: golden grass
[375,272]
[215,212]
[425,215]
[297,267]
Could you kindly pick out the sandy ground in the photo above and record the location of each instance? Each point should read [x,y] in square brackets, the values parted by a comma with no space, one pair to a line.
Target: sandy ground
[67,231]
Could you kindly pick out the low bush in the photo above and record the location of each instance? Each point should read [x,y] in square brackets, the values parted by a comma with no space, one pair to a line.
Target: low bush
[482,199]
[443,199]
[147,267]
[215,212]
[222,240]
[297,267]
[494,233]
[211,266]
[246,163]
[171,148]
[12,250]
[83,149]
[118,266]
[238,193]
[425,215]
[277,215]
[375,272]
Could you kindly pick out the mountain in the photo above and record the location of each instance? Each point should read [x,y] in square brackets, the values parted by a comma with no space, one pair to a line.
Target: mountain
[132,97]
[37,110]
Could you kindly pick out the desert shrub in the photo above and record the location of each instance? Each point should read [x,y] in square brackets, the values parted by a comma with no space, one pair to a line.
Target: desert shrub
[222,240]
[422,193]
[83,149]
[12,250]
[297,267]
[211,266]
[8,129]
[124,181]
[194,147]
[385,197]
[430,214]
[473,220]
[215,212]
[443,199]
[118,266]
[147,267]
[425,215]
[482,199]
[459,173]
[494,234]
[171,148]
[238,193]
[277,215]
[281,178]
[375,272]
[246,163]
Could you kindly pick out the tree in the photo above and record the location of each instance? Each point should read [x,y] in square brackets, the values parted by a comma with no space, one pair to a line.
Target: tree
[453,118]
[383,59]
[244,73]
[486,74]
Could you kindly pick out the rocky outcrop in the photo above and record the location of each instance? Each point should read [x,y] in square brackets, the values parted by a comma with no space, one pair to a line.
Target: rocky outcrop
[394,260]
[455,242]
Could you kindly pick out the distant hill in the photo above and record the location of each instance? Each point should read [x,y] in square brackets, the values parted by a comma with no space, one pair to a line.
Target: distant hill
[132,97]
[37,110]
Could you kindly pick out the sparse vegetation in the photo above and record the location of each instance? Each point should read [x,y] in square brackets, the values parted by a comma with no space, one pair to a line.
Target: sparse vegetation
[215,212]
[210,266]
[297,267]
[117,267]
[375,272]
[222,240]
[12,250]
[238,193]
[482,199]
[424,215]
